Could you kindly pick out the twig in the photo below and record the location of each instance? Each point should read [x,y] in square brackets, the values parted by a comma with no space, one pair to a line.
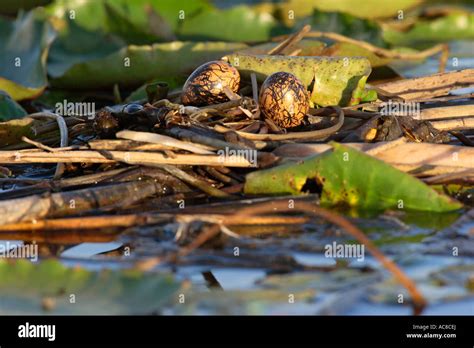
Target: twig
[211,142]
[445,112]
[38,144]
[462,138]
[63,237]
[466,176]
[123,145]
[223,106]
[428,159]
[290,40]
[63,131]
[253,78]
[311,135]
[131,157]
[203,237]
[111,221]
[429,86]
[82,223]
[163,140]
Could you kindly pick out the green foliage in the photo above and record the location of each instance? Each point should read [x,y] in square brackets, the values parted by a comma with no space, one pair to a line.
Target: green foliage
[351,178]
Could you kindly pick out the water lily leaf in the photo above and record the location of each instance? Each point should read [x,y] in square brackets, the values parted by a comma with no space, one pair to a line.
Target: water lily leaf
[120,24]
[77,45]
[364,9]
[456,26]
[239,23]
[351,178]
[336,78]
[23,52]
[9,108]
[307,47]
[24,286]
[92,14]
[135,65]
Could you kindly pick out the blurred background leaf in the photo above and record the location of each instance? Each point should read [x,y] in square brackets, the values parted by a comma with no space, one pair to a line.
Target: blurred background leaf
[24,286]
[23,54]
[348,25]
[78,45]
[134,65]
[95,36]
[239,23]
[456,26]
[9,109]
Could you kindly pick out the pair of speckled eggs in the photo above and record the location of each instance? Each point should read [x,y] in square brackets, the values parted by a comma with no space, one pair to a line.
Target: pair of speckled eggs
[283,98]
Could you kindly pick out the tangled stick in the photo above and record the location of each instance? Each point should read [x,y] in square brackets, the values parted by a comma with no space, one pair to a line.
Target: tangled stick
[63,131]
[419,301]
[310,135]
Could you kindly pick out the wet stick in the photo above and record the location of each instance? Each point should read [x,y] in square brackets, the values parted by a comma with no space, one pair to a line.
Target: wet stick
[63,132]
[75,202]
[311,135]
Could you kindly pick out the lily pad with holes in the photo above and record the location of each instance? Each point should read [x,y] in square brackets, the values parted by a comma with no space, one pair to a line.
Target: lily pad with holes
[351,178]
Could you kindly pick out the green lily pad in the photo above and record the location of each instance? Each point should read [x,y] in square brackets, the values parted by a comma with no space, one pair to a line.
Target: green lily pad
[23,52]
[135,65]
[371,9]
[120,24]
[456,26]
[9,109]
[239,23]
[76,45]
[351,178]
[24,286]
[336,78]
[348,25]
[92,14]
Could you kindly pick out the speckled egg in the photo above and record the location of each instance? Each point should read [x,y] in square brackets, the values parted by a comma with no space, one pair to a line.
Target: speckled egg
[284,99]
[205,86]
